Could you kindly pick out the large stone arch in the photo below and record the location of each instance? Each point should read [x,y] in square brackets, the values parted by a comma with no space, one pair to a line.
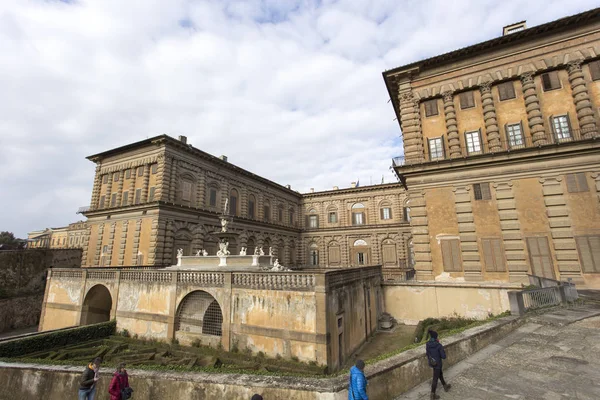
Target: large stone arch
[199,314]
[97,305]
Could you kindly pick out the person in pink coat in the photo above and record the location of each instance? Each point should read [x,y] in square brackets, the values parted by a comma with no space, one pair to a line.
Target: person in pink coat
[119,383]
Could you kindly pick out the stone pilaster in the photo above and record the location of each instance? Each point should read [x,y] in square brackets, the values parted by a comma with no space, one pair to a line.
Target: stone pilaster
[86,246]
[160,176]
[151,260]
[146,183]
[581,98]
[120,187]
[534,113]
[198,241]
[451,125]
[160,243]
[99,245]
[96,189]
[108,191]
[514,246]
[111,243]
[565,250]
[123,242]
[596,177]
[467,233]
[489,117]
[136,241]
[131,195]
[420,232]
[410,116]
[173,183]
[168,243]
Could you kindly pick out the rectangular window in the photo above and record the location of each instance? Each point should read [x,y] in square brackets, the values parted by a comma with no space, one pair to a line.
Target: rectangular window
[151,193]
[115,177]
[267,213]
[291,217]
[467,100]
[251,209]
[186,191]
[113,200]
[493,255]
[358,218]
[482,191]
[431,107]
[138,196]
[589,253]
[561,127]
[595,70]
[140,171]
[473,140]
[313,221]
[212,201]
[105,178]
[577,182]
[361,258]
[102,201]
[386,213]
[332,217]
[154,168]
[540,257]
[451,255]
[233,205]
[280,215]
[128,174]
[506,91]
[436,148]
[125,198]
[550,81]
[514,132]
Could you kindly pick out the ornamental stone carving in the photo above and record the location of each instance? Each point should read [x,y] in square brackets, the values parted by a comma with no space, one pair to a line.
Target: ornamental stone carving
[410,118]
[489,117]
[581,98]
[534,113]
[451,125]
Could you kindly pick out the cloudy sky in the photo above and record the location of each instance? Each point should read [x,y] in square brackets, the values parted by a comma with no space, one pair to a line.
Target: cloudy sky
[290,90]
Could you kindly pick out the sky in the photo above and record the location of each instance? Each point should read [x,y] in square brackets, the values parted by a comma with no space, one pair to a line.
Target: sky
[289,90]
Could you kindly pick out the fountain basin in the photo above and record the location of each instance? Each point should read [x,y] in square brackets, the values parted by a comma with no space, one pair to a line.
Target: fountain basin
[225,263]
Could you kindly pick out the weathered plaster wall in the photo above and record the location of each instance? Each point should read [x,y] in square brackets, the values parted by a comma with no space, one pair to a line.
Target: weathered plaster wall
[20,312]
[411,303]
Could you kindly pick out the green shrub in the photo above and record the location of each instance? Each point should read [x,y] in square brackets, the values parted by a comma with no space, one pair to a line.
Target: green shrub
[46,341]
[125,333]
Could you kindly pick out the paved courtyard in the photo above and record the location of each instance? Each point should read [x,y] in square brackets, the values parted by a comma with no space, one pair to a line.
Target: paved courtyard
[550,358]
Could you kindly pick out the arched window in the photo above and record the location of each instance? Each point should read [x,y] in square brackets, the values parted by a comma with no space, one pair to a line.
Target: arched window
[385,210]
[358,214]
[280,213]
[212,195]
[186,190]
[360,252]
[313,255]
[312,219]
[334,254]
[267,211]
[292,216]
[233,202]
[388,251]
[332,215]
[251,207]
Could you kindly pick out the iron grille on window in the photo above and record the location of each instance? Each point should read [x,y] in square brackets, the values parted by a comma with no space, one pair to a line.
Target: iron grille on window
[199,313]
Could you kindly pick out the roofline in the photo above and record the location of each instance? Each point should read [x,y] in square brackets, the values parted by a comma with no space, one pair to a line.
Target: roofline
[504,40]
[350,190]
[168,139]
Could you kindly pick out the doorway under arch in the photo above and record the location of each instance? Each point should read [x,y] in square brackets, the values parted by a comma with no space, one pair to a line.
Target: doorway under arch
[96,306]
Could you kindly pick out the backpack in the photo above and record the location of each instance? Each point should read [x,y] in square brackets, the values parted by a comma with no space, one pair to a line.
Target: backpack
[126,393]
[432,361]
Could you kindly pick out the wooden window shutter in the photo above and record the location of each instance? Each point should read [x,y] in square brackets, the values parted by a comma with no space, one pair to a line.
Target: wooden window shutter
[443,146]
[456,255]
[582,182]
[451,255]
[571,183]
[102,200]
[585,254]
[446,255]
[317,218]
[381,213]
[151,194]
[431,108]
[594,243]
[390,212]
[595,70]
[546,82]
[488,255]
[467,100]
[486,194]
[506,91]
[364,221]
[128,174]
[555,81]
[307,223]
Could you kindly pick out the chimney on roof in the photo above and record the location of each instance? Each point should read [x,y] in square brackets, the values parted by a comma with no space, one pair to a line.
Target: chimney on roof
[288,187]
[353,184]
[223,157]
[512,28]
[336,188]
[312,190]
[183,139]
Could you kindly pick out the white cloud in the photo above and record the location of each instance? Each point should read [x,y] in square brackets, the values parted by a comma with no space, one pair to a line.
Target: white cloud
[290,90]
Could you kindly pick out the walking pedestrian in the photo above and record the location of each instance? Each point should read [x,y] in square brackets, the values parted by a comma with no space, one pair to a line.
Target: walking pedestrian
[91,375]
[357,388]
[119,385]
[435,354]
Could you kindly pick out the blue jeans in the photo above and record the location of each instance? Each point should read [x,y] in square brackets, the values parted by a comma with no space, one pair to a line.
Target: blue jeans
[87,394]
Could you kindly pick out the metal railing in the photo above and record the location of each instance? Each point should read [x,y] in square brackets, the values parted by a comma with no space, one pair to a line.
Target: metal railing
[549,293]
[506,146]
[540,298]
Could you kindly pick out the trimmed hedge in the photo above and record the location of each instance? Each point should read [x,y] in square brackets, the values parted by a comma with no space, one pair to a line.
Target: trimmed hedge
[47,341]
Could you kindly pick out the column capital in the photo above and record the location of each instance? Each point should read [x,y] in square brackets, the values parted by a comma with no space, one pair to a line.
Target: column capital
[574,65]
[485,87]
[448,95]
[526,77]
[407,97]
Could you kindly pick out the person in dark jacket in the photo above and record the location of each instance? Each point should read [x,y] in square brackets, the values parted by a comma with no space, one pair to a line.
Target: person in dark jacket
[119,382]
[435,354]
[87,387]
[257,397]
[357,388]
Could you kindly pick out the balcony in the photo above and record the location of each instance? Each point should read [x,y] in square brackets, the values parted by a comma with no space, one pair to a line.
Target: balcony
[505,147]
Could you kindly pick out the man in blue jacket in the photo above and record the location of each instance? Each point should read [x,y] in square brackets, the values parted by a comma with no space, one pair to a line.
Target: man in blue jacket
[435,355]
[357,389]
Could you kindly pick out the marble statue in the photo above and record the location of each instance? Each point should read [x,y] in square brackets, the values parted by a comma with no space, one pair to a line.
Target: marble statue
[270,251]
[223,249]
[204,253]
[278,267]
[225,208]
[179,253]
[261,252]
[256,252]
[224,223]
[243,251]
[198,253]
